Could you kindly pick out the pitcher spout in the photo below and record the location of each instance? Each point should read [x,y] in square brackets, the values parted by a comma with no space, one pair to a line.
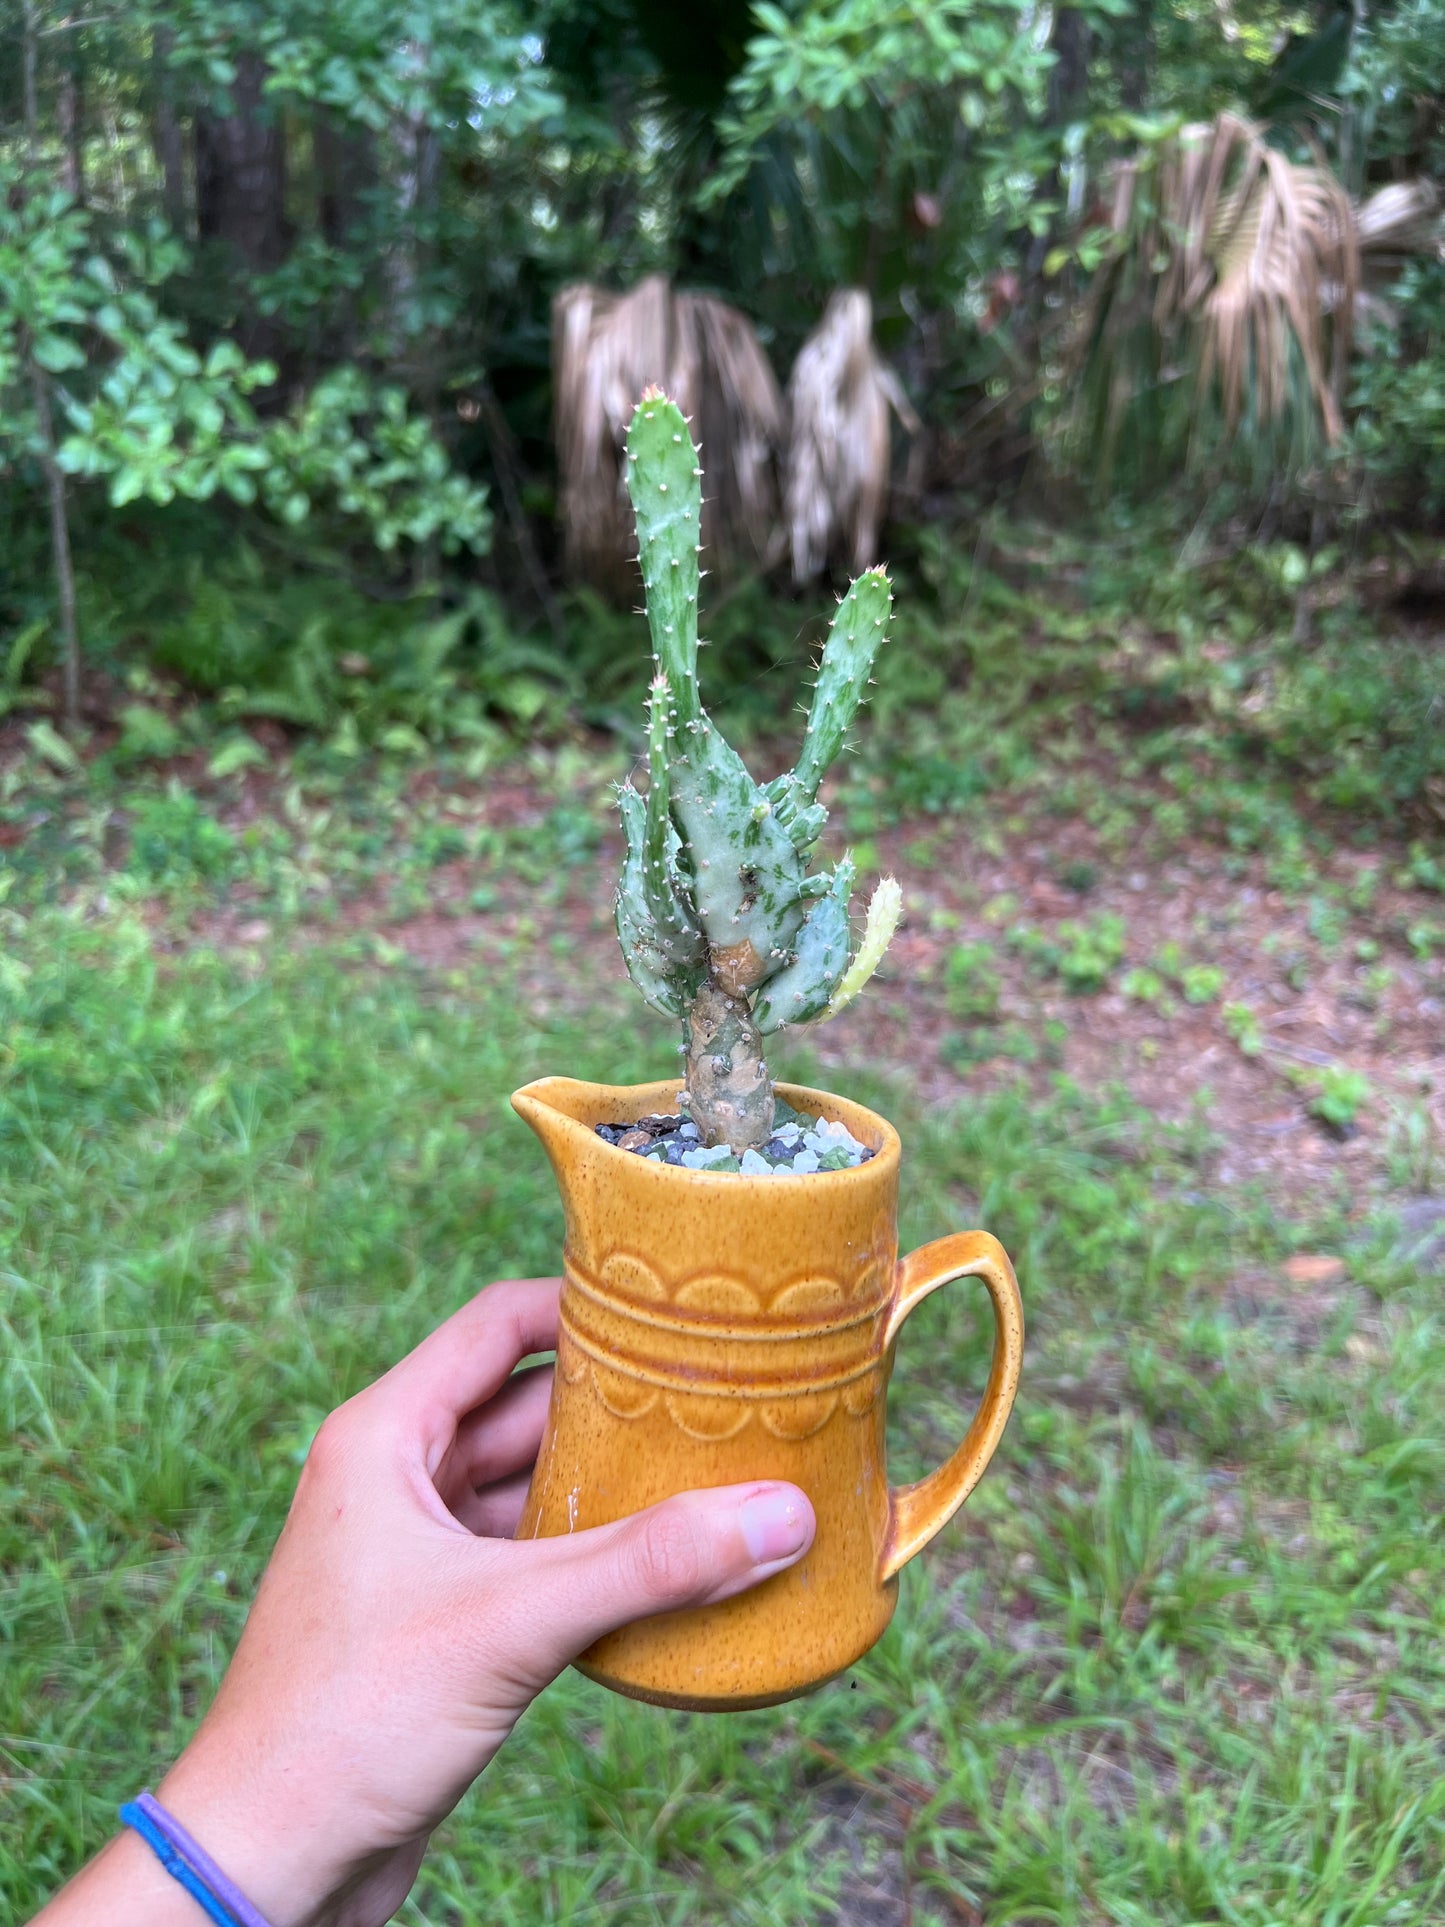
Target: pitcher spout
[567,1110]
[565,1113]
[553,1107]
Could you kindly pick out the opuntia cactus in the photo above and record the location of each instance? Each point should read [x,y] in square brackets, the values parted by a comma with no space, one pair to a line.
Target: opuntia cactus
[719,920]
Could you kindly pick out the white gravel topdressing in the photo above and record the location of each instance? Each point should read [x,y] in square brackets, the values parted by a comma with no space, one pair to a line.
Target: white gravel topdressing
[799,1144]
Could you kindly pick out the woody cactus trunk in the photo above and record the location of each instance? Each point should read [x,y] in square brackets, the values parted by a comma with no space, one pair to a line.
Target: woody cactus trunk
[720,922]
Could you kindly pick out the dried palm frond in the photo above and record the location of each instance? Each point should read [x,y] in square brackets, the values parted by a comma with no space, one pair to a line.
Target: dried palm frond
[1400,220]
[739,411]
[1397,222]
[1232,259]
[839,395]
[606,348]
[1279,235]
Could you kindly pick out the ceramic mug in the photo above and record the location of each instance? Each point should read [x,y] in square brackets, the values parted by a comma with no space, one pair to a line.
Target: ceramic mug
[716,1328]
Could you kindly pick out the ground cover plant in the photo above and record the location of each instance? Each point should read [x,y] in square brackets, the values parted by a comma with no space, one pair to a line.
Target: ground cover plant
[1178,1662]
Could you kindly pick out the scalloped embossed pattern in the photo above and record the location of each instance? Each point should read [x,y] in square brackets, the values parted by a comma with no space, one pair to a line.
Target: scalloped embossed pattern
[716,1354]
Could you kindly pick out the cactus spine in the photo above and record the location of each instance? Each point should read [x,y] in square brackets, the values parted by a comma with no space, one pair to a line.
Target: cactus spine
[719,921]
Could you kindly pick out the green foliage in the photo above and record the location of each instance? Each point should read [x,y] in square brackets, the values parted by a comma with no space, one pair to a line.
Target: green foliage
[1359,713]
[1201,983]
[317,653]
[1184,663]
[42,234]
[1395,82]
[854,54]
[146,411]
[370,61]
[1244,1027]
[906,148]
[970,982]
[146,734]
[1398,434]
[352,382]
[13,693]
[355,447]
[1082,955]
[1090,952]
[174,840]
[159,421]
[1339,1095]
[1145,986]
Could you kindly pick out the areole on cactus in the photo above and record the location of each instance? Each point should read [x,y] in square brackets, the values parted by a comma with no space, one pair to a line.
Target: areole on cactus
[720,922]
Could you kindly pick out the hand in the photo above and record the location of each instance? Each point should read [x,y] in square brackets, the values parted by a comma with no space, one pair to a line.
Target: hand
[399,1631]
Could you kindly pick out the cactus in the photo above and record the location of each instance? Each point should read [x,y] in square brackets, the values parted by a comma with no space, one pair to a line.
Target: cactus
[720,922]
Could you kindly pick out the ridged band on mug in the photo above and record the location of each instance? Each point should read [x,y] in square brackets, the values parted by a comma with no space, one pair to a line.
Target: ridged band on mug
[710,1334]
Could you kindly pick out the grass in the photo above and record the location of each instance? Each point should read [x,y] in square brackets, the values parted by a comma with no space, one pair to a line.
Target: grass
[1178,1662]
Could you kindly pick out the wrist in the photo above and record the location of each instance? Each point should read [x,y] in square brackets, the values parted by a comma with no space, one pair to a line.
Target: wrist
[124,1885]
[266,1830]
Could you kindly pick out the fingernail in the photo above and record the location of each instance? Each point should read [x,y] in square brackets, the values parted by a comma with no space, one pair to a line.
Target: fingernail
[774,1526]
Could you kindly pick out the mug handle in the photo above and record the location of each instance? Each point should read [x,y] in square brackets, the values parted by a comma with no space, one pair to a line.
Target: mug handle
[918,1511]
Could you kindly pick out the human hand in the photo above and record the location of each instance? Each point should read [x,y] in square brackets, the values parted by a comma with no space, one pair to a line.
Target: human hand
[399,1631]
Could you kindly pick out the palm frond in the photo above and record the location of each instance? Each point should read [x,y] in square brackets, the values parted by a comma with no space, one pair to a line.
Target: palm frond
[1240,265]
[1401,219]
[606,348]
[839,396]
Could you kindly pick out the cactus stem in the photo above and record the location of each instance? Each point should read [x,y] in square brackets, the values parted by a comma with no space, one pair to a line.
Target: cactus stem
[741,887]
[729,1092]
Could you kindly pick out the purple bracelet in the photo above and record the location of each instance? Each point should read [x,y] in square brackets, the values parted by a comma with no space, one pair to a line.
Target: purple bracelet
[159,1826]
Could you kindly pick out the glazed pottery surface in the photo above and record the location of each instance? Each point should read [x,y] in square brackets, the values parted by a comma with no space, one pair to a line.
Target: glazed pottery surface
[718,1328]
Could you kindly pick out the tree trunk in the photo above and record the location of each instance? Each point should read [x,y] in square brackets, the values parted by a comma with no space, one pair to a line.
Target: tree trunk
[1134,55]
[44,419]
[70,109]
[30,104]
[241,192]
[416,172]
[166,135]
[416,351]
[345,170]
[1069,42]
[1069,39]
[59,541]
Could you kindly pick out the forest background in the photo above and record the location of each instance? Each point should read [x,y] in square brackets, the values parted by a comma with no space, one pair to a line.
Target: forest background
[275,288]
[308,733]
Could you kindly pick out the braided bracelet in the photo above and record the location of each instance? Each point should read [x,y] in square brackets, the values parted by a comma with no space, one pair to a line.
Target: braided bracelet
[189,1863]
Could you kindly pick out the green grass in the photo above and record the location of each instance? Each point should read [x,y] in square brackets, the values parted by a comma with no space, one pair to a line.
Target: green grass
[1178,1662]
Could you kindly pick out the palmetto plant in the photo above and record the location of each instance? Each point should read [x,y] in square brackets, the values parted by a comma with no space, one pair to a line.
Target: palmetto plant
[605,348]
[720,922]
[831,441]
[1239,268]
[839,397]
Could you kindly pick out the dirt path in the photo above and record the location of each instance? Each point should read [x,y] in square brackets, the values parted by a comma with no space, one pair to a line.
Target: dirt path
[1202,987]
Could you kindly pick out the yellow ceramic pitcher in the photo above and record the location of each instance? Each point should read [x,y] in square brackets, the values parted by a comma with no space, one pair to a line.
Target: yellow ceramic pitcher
[717,1328]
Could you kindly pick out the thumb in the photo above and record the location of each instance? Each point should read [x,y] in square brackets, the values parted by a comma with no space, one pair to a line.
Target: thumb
[691,1550]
